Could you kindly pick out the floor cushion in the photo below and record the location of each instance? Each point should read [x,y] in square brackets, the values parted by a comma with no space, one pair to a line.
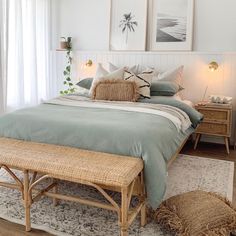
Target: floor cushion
[197,213]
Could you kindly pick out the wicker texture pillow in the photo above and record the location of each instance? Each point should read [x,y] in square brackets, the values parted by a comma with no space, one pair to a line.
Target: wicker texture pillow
[197,213]
[116,90]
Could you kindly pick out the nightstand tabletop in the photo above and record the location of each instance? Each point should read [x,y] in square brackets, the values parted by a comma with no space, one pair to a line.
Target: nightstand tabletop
[214,105]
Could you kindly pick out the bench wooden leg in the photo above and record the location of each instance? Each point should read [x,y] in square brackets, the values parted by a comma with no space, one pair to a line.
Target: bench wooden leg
[27,202]
[124,212]
[143,197]
[55,190]
[143,216]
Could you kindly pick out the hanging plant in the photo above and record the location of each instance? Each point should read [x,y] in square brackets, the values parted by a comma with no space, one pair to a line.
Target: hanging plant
[67,45]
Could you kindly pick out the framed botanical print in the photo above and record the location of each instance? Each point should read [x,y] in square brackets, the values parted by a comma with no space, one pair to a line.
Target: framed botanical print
[171,25]
[128,25]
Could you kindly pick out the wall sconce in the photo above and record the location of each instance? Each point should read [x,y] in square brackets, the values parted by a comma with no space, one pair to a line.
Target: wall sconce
[213,66]
[87,69]
[89,63]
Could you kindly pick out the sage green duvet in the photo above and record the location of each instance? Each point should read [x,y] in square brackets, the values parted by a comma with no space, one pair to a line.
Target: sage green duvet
[151,137]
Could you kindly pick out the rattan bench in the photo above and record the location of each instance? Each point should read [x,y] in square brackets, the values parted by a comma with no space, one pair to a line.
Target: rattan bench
[102,171]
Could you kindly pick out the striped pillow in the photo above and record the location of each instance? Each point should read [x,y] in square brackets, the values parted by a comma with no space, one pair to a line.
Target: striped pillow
[143,80]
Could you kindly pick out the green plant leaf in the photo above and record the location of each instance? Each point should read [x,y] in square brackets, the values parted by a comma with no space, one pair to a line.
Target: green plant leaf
[70,84]
[65,72]
[68,79]
[65,82]
[68,68]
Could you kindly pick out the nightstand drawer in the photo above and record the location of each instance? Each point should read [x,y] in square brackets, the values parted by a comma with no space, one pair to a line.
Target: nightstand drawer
[217,121]
[213,129]
[211,114]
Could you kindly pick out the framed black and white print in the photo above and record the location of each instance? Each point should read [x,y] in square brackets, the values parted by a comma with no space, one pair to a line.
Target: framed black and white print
[171,25]
[128,25]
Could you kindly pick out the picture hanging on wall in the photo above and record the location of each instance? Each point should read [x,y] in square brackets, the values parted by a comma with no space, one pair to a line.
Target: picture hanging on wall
[128,25]
[171,25]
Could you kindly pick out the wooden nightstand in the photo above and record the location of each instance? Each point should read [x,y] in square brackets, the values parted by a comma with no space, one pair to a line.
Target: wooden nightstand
[217,122]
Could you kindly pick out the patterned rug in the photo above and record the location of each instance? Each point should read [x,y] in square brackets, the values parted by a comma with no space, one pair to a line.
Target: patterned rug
[187,173]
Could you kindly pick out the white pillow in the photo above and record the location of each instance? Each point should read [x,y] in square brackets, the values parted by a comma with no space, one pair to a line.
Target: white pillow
[143,80]
[100,71]
[112,68]
[173,75]
[103,74]
[136,69]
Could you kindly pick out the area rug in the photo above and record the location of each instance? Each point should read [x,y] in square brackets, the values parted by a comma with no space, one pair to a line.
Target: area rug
[187,173]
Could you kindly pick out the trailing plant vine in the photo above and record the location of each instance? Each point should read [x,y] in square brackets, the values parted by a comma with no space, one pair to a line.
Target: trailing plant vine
[67,71]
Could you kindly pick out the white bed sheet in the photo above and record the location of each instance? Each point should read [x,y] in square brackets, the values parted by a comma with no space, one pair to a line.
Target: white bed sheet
[178,97]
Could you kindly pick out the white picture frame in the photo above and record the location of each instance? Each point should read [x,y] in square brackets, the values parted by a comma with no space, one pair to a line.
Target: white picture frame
[171,25]
[128,25]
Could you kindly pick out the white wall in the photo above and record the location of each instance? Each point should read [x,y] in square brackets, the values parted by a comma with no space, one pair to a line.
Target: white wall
[214,27]
[87,21]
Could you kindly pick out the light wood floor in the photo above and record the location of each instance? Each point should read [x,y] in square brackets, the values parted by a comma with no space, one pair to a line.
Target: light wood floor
[204,150]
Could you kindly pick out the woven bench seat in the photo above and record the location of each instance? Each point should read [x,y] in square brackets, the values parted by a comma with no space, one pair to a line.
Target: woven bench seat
[70,164]
[80,166]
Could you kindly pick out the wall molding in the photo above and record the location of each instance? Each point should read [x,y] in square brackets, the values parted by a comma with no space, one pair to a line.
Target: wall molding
[152,52]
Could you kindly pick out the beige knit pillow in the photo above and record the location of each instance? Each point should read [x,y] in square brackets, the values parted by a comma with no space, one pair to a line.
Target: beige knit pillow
[197,213]
[116,90]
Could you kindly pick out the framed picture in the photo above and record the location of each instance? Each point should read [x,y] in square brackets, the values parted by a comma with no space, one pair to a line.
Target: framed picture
[171,25]
[128,25]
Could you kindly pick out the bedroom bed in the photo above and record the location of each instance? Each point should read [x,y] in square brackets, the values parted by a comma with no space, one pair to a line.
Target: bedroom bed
[154,130]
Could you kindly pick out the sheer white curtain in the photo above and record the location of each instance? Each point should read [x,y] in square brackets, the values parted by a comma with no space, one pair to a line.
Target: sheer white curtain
[3,54]
[28,52]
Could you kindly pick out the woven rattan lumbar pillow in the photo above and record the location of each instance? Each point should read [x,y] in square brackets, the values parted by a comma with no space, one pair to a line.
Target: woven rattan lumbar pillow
[197,213]
[116,90]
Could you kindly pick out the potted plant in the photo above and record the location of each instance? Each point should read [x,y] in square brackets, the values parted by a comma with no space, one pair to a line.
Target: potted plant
[66,43]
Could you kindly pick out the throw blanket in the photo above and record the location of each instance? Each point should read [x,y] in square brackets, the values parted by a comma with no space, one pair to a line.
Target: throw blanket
[179,118]
[152,136]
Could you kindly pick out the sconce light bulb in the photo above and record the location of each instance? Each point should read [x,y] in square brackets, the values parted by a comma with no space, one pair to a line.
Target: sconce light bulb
[213,66]
[89,63]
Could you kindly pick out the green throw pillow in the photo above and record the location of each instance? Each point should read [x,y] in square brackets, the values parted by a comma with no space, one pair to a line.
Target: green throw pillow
[85,83]
[164,88]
